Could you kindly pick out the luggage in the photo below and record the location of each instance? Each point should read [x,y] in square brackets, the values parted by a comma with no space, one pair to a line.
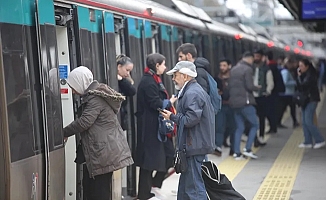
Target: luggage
[218,186]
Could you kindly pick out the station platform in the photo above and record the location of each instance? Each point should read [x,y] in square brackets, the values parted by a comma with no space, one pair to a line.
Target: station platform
[282,171]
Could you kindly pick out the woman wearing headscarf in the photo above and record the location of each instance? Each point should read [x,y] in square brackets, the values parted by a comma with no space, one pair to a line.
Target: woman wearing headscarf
[126,88]
[308,98]
[103,147]
[152,153]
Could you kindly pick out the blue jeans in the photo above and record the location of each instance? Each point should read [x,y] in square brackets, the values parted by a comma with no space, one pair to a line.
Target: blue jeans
[240,115]
[191,183]
[224,126]
[310,130]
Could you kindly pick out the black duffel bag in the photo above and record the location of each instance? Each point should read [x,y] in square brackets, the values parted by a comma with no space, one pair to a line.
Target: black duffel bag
[218,186]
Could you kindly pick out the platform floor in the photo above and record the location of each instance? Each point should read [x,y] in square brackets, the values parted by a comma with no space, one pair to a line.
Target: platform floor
[282,172]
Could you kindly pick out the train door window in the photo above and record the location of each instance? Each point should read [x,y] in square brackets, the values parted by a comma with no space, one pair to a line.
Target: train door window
[90,41]
[220,50]
[22,137]
[155,38]
[197,41]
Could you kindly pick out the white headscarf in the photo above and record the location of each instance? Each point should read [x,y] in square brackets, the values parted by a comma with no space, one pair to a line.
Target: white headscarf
[80,78]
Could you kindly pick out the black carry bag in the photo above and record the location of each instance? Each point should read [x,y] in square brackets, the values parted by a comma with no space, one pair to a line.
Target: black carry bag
[218,186]
[180,157]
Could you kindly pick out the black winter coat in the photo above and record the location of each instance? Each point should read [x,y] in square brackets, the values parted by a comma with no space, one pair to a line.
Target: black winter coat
[151,154]
[308,85]
[202,67]
[128,90]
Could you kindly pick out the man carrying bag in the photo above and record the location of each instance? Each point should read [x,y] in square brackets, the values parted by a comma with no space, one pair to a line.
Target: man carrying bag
[195,138]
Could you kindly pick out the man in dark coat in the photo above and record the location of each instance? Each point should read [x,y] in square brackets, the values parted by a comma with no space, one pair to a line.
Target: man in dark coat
[273,100]
[188,52]
[196,118]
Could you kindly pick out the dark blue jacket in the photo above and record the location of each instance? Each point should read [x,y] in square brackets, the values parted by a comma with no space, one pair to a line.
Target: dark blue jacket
[197,112]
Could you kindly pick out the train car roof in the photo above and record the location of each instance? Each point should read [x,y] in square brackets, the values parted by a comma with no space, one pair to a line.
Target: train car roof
[138,8]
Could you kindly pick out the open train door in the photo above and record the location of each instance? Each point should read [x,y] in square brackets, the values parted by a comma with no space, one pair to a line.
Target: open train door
[51,101]
[4,147]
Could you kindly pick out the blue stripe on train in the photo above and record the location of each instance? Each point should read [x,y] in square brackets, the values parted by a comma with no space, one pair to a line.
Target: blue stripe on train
[84,21]
[17,12]
[165,32]
[109,22]
[134,30]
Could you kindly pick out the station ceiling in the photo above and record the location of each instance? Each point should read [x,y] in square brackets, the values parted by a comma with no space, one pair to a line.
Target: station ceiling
[293,7]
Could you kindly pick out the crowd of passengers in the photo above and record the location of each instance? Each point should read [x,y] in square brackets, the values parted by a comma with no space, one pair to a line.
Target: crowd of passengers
[255,89]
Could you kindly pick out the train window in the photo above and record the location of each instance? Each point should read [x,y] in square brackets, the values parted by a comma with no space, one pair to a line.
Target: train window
[18,93]
[51,88]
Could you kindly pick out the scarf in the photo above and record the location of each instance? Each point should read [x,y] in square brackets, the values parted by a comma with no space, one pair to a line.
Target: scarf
[79,79]
[158,80]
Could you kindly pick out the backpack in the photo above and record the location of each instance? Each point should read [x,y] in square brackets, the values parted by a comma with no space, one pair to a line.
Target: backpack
[216,98]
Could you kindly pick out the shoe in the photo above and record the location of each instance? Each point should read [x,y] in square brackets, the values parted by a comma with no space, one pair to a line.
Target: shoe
[272,132]
[157,192]
[231,152]
[249,154]
[281,126]
[303,145]
[257,143]
[319,145]
[238,156]
[295,125]
[218,151]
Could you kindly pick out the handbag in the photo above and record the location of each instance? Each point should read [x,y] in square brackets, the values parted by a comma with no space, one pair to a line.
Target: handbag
[165,127]
[80,157]
[300,99]
[180,157]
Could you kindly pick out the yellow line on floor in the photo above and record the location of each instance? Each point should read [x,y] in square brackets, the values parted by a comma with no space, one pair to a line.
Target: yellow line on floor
[280,179]
[231,168]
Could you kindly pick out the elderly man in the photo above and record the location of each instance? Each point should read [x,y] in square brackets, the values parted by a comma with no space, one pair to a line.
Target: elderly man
[197,138]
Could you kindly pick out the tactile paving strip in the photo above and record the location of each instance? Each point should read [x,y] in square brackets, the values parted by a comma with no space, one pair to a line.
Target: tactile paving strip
[231,168]
[280,179]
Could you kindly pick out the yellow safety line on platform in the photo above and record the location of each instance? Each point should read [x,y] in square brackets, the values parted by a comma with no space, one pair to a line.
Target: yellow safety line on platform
[231,168]
[280,179]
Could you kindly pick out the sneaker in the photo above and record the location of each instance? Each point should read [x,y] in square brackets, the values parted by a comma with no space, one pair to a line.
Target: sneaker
[249,154]
[238,156]
[155,198]
[303,145]
[281,126]
[319,145]
[158,193]
[218,151]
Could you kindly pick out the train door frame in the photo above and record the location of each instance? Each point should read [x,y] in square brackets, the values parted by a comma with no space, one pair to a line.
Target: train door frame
[52,110]
[66,59]
[4,140]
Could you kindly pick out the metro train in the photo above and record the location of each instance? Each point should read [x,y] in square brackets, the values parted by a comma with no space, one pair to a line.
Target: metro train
[41,41]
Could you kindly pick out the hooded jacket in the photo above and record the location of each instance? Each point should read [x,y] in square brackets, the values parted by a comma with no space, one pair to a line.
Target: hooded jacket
[104,144]
[202,67]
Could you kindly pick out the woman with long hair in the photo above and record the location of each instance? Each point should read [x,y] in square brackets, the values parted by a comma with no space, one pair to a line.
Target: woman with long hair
[308,98]
[153,153]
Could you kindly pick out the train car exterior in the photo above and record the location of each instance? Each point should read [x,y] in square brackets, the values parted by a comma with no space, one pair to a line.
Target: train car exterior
[44,40]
